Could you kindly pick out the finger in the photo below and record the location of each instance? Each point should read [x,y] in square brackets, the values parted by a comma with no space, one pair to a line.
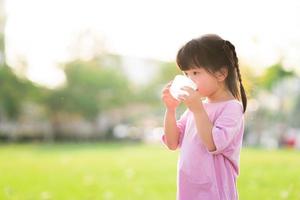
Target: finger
[182,97]
[165,91]
[168,97]
[188,89]
[166,87]
[169,84]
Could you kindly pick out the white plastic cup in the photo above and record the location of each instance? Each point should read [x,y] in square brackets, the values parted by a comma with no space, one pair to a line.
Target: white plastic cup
[178,83]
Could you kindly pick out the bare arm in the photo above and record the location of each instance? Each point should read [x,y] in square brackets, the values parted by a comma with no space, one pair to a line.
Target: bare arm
[170,126]
[203,124]
[170,129]
[204,129]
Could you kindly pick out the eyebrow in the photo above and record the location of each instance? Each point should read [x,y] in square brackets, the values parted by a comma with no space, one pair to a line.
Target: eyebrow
[191,70]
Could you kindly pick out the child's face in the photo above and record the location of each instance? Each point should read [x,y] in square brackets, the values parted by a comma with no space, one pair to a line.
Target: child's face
[207,83]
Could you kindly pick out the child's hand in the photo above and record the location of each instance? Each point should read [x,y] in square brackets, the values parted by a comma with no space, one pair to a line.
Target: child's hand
[170,102]
[192,100]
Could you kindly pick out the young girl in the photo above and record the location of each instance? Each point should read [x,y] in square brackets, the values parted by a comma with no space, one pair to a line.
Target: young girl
[210,132]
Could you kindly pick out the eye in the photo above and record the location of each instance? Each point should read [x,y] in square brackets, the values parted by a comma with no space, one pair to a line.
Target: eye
[195,73]
[185,73]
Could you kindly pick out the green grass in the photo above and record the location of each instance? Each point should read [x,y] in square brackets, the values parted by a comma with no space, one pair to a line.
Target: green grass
[128,172]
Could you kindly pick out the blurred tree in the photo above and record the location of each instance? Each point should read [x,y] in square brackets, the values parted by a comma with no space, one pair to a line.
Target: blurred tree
[249,80]
[103,88]
[10,96]
[2,58]
[272,85]
[273,75]
[295,115]
[272,80]
[167,72]
[14,91]
[90,89]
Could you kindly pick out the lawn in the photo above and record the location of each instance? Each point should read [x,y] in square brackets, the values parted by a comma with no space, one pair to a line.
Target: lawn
[120,171]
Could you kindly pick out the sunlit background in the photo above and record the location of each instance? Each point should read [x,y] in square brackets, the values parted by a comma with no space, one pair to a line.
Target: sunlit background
[80,82]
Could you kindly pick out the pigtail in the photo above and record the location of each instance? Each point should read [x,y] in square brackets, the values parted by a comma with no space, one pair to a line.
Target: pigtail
[234,62]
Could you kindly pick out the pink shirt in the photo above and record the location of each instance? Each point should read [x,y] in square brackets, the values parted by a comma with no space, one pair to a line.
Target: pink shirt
[204,175]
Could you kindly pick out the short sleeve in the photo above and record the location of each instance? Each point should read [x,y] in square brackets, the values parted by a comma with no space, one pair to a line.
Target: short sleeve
[227,126]
[181,124]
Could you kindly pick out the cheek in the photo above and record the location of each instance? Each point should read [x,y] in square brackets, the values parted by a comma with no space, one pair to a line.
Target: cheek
[205,90]
[207,86]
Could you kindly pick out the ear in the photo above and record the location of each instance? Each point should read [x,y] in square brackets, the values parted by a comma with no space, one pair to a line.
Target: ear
[221,74]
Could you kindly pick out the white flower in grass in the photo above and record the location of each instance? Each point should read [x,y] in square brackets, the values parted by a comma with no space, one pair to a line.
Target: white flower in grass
[108,195]
[129,173]
[45,195]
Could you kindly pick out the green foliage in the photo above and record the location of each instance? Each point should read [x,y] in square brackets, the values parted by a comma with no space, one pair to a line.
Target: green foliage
[167,73]
[249,80]
[273,75]
[14,91]
[1,44]
[90,89]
